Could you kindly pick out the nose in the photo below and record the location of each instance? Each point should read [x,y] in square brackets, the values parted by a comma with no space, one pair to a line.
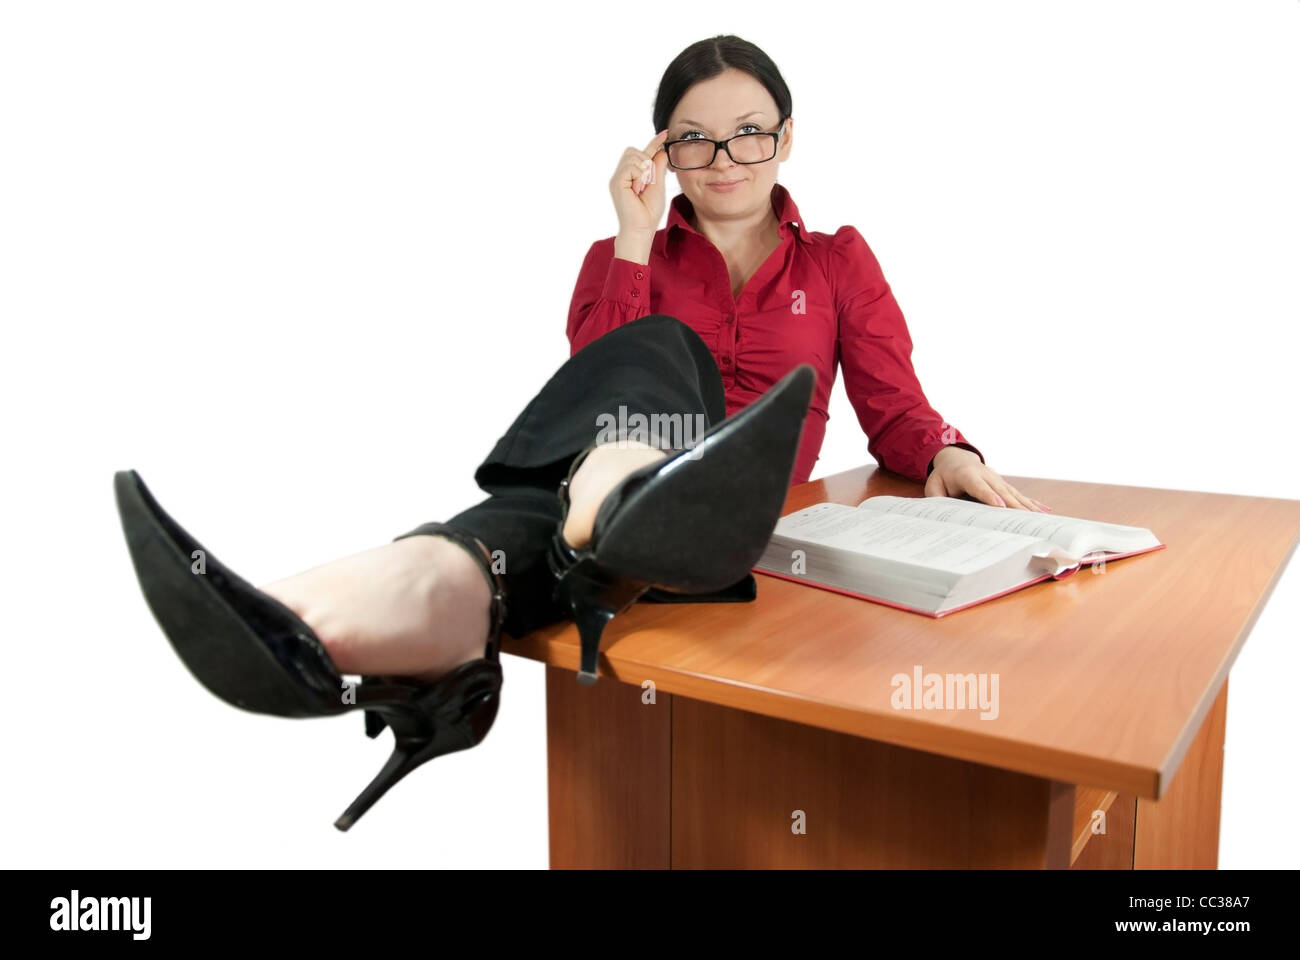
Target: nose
[722,161]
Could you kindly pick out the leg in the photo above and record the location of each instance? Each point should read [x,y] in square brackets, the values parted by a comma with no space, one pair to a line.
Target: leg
[378,612]
[655,365]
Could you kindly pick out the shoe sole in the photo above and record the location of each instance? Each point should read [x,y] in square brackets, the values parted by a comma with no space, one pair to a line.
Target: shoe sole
[659,524]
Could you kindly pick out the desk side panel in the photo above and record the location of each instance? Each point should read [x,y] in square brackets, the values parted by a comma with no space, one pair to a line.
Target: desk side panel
[755,792]
[608,759]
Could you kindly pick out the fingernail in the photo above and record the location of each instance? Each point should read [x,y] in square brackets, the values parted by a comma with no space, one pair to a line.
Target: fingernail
[1001,502]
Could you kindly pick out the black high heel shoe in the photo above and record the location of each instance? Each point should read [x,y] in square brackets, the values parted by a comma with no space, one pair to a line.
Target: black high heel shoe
[256,654]
[692,523]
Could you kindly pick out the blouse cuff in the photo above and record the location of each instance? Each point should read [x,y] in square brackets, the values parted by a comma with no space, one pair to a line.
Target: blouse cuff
[627,282]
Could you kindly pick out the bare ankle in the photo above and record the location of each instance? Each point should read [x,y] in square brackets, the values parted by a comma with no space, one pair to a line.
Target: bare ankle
[602,470]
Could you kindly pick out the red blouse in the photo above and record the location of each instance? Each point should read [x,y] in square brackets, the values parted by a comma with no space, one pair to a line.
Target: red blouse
[819,299]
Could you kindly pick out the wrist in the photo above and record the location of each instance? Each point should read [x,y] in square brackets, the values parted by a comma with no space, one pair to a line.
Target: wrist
[634,245]
[951,452]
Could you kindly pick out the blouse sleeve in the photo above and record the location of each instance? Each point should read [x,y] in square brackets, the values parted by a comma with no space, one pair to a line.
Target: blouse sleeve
[609,293]
[875,351]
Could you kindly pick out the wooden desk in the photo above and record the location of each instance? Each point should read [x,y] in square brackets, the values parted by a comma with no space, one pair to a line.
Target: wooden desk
[1112,696]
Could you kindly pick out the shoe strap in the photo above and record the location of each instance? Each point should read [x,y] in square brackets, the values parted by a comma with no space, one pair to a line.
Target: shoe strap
[567,482]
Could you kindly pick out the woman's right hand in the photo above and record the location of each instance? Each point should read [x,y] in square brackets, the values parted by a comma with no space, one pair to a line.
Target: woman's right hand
[638,187]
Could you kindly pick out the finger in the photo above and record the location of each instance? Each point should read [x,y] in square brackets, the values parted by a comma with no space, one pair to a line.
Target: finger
[654,173]
[652,167]
[1031,501]
[935,487]
[637,173]
[645,179]
[980,489]
[1018,500]
[1014,498]
[644,158]
[1035,504]
[634,161]
[653,146]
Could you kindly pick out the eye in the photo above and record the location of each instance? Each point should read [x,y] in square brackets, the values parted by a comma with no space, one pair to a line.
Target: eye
[688,134]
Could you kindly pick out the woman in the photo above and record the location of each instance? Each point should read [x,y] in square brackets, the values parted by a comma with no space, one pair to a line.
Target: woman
[574,526]
[737,263]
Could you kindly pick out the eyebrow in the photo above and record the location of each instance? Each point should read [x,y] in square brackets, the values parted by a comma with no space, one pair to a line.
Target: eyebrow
[696,123]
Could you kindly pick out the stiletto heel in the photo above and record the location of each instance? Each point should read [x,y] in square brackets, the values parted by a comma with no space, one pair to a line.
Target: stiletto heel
[256,654]
[724,494]
[593,599]
[455,714]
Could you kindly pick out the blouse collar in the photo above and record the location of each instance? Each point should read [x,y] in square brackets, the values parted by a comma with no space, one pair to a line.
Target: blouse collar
[787,216]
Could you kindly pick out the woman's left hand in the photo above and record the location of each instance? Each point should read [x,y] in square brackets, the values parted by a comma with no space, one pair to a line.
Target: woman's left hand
[957,471]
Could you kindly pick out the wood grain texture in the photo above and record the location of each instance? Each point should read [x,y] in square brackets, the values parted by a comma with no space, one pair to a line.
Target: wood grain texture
[1181,830]
[1103,679]
[1087,802]
[742,780]
[1112,850]
[609,764]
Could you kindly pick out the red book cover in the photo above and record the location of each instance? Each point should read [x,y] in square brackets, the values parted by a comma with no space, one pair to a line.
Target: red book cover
[925,613]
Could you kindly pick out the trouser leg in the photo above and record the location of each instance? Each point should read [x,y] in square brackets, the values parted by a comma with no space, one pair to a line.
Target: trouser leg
[653,366]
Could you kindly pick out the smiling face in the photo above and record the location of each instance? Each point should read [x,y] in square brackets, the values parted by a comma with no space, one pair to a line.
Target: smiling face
[727,105]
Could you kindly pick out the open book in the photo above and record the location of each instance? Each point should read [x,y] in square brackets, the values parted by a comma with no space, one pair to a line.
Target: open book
[935,555]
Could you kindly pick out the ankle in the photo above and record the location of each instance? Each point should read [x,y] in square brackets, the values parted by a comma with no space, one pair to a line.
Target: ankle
[460,596]
[602,470]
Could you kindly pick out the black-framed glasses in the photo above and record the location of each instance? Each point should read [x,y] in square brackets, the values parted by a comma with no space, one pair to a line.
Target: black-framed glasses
[695,153]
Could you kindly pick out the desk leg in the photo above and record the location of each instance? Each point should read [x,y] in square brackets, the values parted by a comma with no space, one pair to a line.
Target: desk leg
[1181,829]
[1112,850]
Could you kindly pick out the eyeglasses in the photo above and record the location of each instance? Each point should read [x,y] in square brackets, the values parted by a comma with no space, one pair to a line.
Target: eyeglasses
[697,152]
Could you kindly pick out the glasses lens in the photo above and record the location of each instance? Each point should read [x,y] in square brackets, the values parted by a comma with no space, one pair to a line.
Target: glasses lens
[691,153]
[753,148]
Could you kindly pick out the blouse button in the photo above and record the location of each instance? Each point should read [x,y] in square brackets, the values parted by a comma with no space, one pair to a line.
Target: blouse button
[636,293]
[639,275]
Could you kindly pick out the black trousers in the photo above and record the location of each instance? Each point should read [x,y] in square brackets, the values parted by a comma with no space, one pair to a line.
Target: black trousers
[654,365]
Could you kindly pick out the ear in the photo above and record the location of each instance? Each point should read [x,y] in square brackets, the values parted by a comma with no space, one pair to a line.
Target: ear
[786,140]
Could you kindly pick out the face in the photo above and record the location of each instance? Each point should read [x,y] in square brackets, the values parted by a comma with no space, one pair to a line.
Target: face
[727,105]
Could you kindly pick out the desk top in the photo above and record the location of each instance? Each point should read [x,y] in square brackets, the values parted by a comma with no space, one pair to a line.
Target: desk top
[1102,680]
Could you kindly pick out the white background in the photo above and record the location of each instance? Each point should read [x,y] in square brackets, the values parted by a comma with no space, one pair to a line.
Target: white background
[301,263]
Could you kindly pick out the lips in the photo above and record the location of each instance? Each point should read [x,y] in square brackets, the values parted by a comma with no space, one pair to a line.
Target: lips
[722,183]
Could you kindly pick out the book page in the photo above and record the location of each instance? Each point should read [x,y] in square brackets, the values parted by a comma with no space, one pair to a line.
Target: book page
[1075,536]
[893,536]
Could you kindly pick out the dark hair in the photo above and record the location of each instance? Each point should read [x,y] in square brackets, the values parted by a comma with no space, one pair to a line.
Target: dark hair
[708,58]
